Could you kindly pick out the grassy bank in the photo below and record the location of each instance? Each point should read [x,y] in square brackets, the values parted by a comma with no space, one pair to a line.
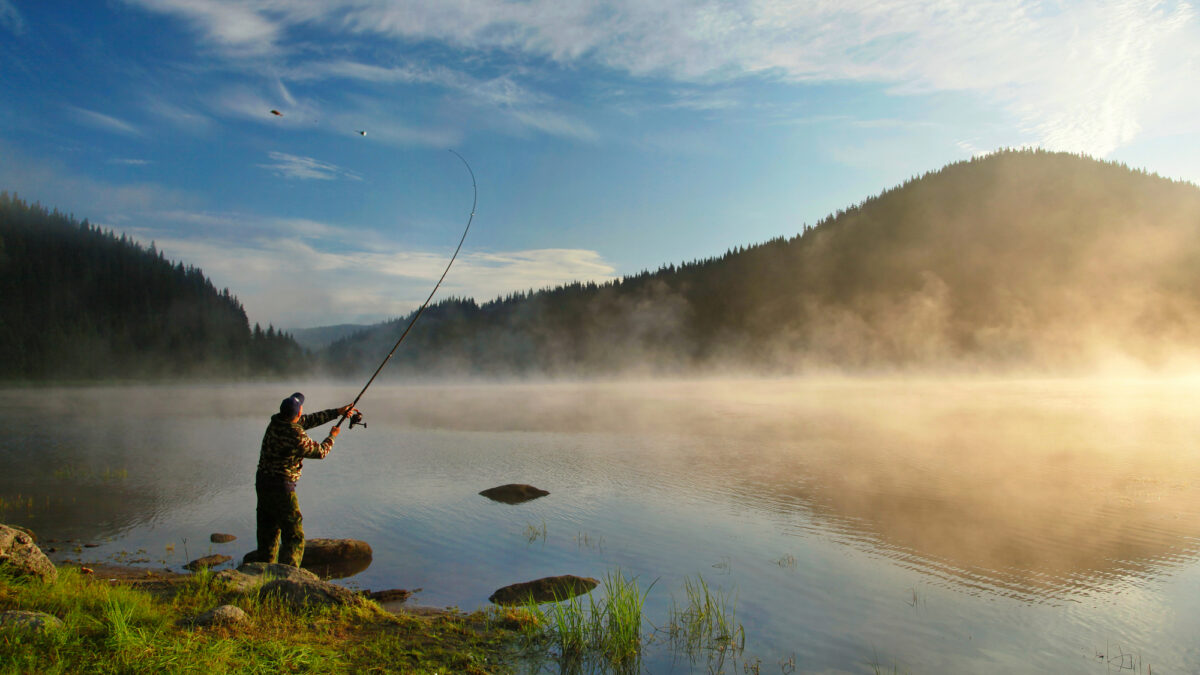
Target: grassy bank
[112,628]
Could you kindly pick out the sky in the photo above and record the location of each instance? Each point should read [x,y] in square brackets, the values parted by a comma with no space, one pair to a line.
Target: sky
[605,137]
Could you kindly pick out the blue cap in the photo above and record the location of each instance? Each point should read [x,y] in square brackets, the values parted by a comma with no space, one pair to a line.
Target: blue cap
[290,406]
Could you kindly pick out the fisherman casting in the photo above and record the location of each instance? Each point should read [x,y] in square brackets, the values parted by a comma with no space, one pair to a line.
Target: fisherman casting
[285,446]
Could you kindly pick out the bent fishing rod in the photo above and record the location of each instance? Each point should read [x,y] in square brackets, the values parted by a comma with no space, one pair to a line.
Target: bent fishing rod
[357,419]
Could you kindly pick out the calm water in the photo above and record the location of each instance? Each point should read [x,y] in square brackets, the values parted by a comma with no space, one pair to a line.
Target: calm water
[930,526]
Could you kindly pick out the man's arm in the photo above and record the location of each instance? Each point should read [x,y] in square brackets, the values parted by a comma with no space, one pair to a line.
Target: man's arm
[310,449]
[318,418]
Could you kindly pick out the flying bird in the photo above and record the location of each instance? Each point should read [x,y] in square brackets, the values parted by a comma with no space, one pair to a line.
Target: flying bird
[276,113]
[361,133]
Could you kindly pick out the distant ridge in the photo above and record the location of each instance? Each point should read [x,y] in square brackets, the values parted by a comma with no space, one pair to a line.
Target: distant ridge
[1022,259]
[318,338]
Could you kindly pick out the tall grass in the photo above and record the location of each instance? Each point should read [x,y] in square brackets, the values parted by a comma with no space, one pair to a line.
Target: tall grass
[608,630]
[707,622]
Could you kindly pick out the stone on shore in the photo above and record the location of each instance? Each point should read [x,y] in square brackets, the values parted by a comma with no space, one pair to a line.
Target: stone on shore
[220,616]
[294,586]
[207,561]
[513,493]
[546,589]
[301,593]
[38,622]
[19,555]
[221,538]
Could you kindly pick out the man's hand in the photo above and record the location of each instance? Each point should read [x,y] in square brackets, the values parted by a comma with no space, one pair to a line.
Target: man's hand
[347,410]
[334,432]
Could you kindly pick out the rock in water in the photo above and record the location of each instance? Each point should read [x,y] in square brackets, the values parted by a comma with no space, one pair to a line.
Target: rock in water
[20,556]
[513,493]
[207,561]
[546,589]
[336,558]
[219,538]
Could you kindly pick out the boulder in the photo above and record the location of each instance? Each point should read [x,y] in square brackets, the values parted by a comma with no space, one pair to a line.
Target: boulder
[27,531]
[513,493]
[295,586]
[546,589]
[330,558]
[221,616]
[336,558]
[275,571]
[219,538]
[300,593]
[19,555]
[38,622]
[207,561]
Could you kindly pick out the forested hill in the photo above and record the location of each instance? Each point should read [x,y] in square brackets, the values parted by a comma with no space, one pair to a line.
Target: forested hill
[1020,259]
[80,303]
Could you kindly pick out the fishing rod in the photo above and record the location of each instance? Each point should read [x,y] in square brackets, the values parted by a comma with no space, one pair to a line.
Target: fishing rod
[357,419]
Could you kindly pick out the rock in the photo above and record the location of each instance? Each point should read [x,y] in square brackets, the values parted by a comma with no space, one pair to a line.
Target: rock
[329,558]
[19,555]
[219,538]
[38,622]
[276,571]
[513,493]
[300,593]
[336,558]
[207,561]
[221,616]
[391,595]
[27,531]
[546,589]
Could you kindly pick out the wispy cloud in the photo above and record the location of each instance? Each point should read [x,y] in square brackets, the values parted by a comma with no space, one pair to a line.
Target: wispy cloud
[1077,75]
[501,96]
[10,18]
[238,29]
[129,161]
[362,284]
[305,168]
[103,122]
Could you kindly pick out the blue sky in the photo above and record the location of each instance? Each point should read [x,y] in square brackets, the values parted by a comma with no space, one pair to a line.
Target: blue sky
[606,137]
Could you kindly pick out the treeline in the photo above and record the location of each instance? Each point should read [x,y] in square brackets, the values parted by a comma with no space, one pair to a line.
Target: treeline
[1020,259]
[78,302]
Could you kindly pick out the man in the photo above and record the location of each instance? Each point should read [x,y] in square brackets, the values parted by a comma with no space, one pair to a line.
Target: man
[284,449]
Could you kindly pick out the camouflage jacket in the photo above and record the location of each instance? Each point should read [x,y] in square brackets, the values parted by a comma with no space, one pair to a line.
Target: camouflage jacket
[285,446]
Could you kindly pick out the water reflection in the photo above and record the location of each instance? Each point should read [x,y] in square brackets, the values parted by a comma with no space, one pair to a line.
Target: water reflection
[1058,513]
[1031,488]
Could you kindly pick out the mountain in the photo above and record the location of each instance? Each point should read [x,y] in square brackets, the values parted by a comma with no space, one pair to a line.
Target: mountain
[1022,259]
[315,339]
[80,303]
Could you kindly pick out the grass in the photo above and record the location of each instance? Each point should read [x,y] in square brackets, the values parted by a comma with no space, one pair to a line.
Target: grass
[605,633]
[708,622]
[110,628]
[534,532]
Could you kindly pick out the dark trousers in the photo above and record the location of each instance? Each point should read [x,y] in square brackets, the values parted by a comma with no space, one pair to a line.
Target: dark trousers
[280,534]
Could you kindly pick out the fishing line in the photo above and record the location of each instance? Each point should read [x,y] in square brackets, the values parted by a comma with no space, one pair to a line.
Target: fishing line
[421,310]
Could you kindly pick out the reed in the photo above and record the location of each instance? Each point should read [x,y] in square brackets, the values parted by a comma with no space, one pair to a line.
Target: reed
[535,532]
[606,631]
[708,622]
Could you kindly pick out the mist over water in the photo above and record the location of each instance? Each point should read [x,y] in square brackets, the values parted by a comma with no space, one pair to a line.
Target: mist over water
[939,524]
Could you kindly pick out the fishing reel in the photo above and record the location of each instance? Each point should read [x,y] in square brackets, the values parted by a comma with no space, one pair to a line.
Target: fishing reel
[357,418]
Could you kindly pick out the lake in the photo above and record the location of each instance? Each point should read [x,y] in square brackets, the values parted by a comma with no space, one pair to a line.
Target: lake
[908,525]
